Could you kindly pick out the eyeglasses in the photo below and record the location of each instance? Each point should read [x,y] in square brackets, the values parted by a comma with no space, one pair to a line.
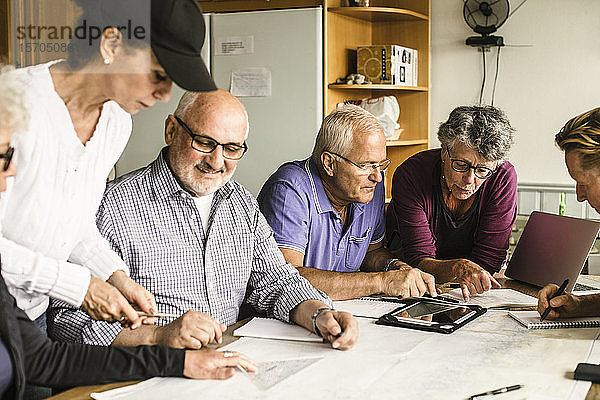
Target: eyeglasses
[7,157]
[465,166]
[367,168]
[205,144]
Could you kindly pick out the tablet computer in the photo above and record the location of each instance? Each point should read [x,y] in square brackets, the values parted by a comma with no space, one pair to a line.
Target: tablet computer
[429,314]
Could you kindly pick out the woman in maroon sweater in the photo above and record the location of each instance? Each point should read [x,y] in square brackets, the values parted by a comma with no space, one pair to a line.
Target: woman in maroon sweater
[453,208]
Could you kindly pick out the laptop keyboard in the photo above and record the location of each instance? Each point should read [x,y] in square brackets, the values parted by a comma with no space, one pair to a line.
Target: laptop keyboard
[581,287]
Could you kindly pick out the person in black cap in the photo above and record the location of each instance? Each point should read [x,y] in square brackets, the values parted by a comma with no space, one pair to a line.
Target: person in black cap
[27,356]
[123,57]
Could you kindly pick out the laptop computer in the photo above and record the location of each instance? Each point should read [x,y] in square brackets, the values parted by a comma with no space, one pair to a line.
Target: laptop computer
[553,248]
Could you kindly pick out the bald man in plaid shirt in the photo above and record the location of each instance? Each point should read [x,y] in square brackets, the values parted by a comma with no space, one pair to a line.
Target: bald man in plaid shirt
[198,242]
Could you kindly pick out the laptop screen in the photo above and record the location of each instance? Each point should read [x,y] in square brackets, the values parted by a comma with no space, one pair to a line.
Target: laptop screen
[552,248]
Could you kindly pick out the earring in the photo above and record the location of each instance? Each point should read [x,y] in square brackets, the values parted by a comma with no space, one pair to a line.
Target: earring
[107,61]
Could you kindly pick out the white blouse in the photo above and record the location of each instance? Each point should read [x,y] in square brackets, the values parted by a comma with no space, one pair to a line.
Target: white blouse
[49,215]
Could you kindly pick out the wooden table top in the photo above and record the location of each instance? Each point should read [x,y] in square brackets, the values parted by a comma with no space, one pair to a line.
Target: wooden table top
[84,392]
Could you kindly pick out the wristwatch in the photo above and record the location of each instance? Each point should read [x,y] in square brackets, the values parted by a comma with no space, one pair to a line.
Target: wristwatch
[315,316]
[389,266]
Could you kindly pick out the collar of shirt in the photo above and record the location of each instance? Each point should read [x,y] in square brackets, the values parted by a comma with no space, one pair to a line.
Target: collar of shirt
[320,198]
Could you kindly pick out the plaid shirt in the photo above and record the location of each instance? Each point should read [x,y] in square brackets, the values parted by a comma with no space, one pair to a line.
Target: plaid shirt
[154,225]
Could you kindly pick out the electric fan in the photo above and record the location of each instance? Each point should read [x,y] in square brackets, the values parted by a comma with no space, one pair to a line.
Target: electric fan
[485,17]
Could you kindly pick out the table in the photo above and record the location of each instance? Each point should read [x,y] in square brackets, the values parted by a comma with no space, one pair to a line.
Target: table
[84,392]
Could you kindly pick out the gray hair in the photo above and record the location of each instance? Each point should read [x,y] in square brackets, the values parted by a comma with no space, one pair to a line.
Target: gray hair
[13,113]
[485,129]
[185,103]
[338,127]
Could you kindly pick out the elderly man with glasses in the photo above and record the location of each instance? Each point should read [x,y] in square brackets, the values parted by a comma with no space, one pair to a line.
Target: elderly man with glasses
[453,208]
[197,240]
[327,212]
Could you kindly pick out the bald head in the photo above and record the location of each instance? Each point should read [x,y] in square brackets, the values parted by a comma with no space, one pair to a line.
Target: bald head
[196,106]
[202,135]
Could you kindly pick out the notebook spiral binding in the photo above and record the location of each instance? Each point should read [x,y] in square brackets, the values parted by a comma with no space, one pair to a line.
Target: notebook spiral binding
[564,324]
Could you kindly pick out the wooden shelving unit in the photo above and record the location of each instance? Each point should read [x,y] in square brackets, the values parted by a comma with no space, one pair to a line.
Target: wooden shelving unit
[375,86]
[379,14]
[400,142]
[402,22]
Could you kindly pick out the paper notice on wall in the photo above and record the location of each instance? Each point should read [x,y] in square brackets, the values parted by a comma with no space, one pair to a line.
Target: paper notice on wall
[251,82]
[234,45]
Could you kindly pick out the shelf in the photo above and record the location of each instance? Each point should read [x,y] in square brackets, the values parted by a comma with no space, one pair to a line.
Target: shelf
[379,14]
[377,86]
[405,142]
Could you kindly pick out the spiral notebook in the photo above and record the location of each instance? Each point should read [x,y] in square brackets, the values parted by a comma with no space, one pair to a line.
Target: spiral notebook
[531,319]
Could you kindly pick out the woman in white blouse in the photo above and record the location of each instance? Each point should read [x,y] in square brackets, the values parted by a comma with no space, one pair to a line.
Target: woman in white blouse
[79,125]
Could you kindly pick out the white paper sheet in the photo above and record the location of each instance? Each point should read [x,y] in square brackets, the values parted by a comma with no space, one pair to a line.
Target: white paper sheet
[337,374]
[366,308]
[270,328]
[251,82]
[496,298]
[234,45]
[491,352]
[390,363]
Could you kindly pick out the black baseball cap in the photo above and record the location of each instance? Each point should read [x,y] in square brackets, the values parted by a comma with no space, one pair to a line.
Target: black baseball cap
[177,35]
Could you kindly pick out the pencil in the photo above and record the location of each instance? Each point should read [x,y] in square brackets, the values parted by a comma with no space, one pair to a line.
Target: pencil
[157,315]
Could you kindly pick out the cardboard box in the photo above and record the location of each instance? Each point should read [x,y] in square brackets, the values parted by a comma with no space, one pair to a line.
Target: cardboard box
[392,64]
[375,62]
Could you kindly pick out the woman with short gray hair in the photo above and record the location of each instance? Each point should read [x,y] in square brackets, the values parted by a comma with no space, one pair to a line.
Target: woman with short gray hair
[453,208]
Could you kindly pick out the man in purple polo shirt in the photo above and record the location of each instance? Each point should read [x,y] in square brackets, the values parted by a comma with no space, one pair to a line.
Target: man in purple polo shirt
[327,212]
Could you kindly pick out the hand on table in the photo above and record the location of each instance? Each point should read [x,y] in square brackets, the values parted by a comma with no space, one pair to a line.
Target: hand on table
[564,306]
[192,330]
[408,282]
[339,328]
[472,278]
[212,364]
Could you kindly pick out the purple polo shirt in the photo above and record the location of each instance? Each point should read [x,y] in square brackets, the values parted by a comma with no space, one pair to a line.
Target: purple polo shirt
[294,203]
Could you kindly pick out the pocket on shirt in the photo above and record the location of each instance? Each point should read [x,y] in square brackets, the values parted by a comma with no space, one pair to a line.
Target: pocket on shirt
[234,255]
[357,248]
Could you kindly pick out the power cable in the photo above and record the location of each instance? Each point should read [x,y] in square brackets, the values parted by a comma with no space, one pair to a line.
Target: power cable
[484,76]
[496,75]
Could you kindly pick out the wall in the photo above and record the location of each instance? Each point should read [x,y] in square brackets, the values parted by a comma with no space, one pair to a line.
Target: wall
[148,135]
[540,87]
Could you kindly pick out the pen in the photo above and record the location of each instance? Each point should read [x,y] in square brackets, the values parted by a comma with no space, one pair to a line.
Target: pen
[497,391]
[242,370]
[561,290]
[157,315]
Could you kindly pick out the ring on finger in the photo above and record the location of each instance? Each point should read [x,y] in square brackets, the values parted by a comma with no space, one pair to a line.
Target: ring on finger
[228,354]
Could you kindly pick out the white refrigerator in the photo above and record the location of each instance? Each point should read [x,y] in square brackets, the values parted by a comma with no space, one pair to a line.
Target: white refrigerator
[288,44]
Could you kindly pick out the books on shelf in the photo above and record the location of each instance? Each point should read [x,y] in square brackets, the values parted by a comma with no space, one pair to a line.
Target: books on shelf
[391,64]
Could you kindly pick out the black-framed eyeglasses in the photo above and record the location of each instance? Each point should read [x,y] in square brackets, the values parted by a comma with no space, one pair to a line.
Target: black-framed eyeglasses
[465,166]
[7,157]
[206,144]
[366,168]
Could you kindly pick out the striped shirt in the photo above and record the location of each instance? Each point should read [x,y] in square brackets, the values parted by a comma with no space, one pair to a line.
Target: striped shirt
[155,226]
